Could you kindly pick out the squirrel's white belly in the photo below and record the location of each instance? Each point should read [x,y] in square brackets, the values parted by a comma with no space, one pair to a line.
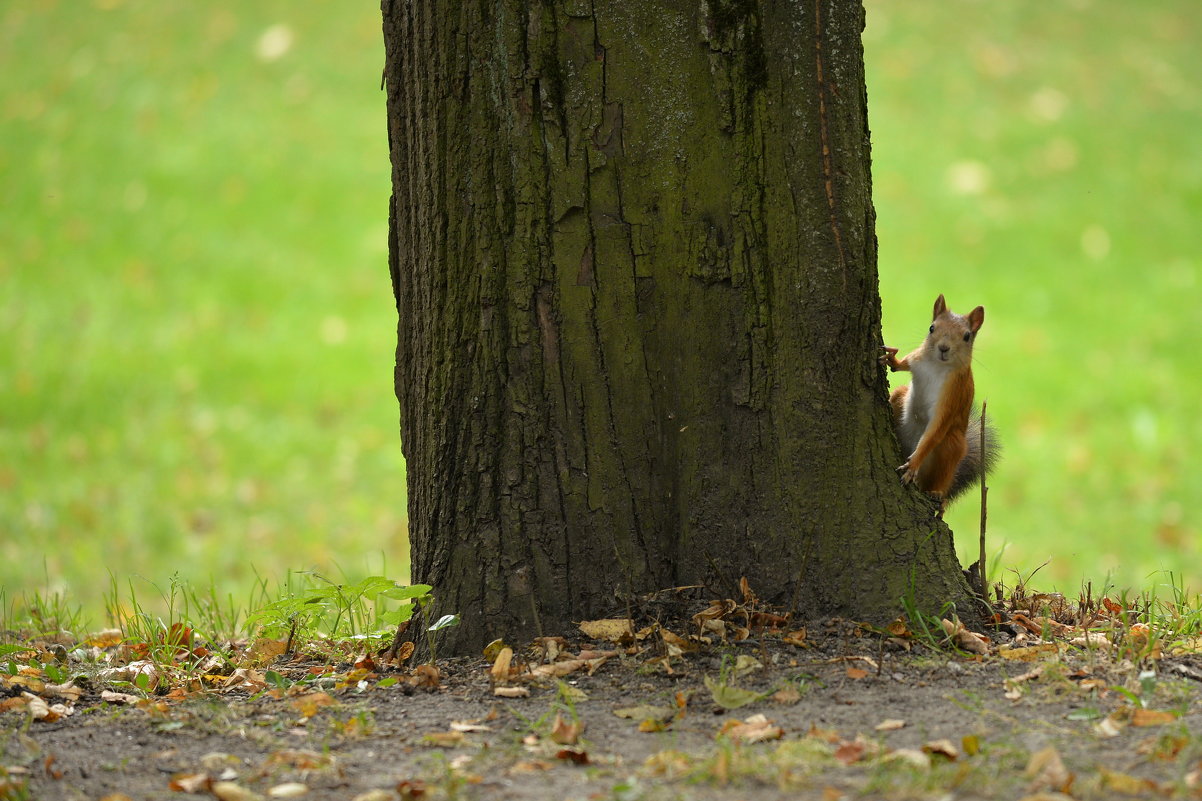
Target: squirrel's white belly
[921,401]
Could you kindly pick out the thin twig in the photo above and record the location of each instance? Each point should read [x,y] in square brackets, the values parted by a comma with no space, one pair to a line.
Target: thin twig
[984,510]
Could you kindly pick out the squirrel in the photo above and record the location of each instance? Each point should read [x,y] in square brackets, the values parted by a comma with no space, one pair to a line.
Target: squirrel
[934,417]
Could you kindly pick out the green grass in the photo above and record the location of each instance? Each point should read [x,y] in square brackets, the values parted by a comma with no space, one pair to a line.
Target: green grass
[1044,160]
[196,325]
[196,328]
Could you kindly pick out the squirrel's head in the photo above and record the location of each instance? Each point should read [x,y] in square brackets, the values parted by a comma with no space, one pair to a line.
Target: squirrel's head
[951,335]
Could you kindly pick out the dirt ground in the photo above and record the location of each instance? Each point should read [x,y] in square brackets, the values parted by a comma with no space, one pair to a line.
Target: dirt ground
[1070,724]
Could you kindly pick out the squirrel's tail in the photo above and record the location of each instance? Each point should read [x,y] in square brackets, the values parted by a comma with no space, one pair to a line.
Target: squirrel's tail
[975,464]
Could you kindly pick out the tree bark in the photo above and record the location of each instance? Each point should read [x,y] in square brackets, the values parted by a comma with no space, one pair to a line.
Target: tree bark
[634,261]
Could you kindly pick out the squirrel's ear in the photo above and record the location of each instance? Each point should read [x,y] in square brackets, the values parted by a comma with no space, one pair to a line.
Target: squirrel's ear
[975,318]
[940,307]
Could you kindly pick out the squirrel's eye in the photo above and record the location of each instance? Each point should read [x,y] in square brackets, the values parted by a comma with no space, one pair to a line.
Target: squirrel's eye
[968,337]
[932,328]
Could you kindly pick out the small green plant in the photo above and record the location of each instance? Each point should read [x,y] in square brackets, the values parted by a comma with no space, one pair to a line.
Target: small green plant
[355,611]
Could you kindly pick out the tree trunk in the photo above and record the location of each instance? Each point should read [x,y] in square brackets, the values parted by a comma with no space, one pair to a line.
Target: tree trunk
[634,261]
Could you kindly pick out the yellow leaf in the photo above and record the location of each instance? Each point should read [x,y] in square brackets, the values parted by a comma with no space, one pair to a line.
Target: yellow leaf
[611,629]
[1030,653]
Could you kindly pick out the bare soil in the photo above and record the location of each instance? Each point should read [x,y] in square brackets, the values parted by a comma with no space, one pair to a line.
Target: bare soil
[827,697]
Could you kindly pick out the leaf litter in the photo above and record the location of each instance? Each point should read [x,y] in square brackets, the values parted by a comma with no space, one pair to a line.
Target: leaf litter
[856,705]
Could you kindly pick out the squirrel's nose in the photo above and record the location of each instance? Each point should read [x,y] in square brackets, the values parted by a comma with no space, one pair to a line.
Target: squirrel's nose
[944,348]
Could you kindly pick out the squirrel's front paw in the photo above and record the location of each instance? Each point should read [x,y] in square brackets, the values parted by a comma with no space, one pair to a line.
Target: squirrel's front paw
[908,473]
[889,359]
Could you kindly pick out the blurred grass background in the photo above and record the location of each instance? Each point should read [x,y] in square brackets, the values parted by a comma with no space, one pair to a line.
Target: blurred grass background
[1045,160]
[196,323]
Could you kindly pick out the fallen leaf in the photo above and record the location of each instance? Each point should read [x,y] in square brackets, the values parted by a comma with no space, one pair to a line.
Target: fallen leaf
[1152,717]
[445,739]
[530,766]
[964,639]
[426,676]
[511,692]
[1109,726]
[142,673]
[755,729]
[943,748]
[190,783]
[1029,653]
[652,725]
[1046,770]
[67,691]
[728,696]
[849,752]
[856,673]
[797,638]
[263,651]
[104,639]
[376,795]
[574,755]
[566,732]
[288,790]
[110,697]
[786,696]
[610,629]
[411,789]
[1129,785]
[890,724]
[468,727]
[247,679]
[500,669]
[971,744]
[309,703]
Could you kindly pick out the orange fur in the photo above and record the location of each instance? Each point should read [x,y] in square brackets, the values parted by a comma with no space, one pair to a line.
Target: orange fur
[942,365]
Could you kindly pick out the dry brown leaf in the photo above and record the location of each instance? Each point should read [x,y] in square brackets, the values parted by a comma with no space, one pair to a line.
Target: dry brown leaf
[445,739]
[106,638]
[511,692]
[1126,784]
[309,703]
[566,732]
[133,673]
[263,651]
[849,752]
[943,748]
[1046,770]
[576,756]
[756,729]
[964,639]
[652,725]
[288,790]
[500,667]
[191,783]
[1109,726]
[425,676]
[786,696]
[468,726]
[377,794]
[616,629]
[797,638]
[110,697]
[890,724]
[67,691]
[645,712]
[1030,653]
[248,679]
[530,766]
[856,673]
[1152,717]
